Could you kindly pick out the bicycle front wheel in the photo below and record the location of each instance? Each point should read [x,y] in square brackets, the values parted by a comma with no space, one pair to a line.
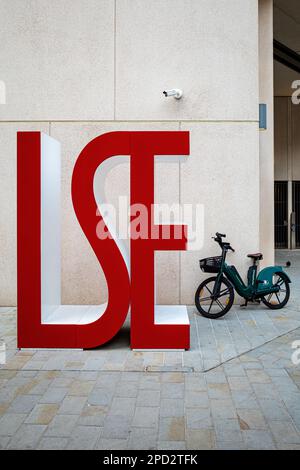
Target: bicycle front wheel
[214,308]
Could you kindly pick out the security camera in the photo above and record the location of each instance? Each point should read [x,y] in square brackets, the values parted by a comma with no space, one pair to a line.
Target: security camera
[174,92]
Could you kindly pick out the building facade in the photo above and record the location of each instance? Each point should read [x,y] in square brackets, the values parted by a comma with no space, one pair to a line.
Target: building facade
[80,68]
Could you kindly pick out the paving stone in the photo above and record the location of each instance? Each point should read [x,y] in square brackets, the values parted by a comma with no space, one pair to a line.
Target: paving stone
[232,437]
[173,357]
[16,362]
[226,445]
[123,406]
[227,430]
[245,399]
[216,377]
[111,444]
[285,384]
[234,370]
[100,397]
[173,377]
[50,374]
[258,440]
[72,405]
[42,414]
[209,364]
[41,387]
[153,359]
[131,376]
[70,365]
[64,382]
[171,429]
[27,437]
[54,395]
[196,399]
[81,388]
[238,383]
[172,390]
[146,417]
[251,419]
[148,398]
[198,418]
[84,438]
[141,438]
[223,409]
[150,382]
[171,445]
[61,425]
[171,408]
[200,439]
[116,427]
[10,423]
[127,389]
[218,390]
[23,403]
[195,383]
[94,364]
[4,440]
[252,365]
[258,376]
[284,432]
[53,443]
[93,415]
[87,376]
[291,399]
[7,395]
[264,391]
[295,415]
[288,446]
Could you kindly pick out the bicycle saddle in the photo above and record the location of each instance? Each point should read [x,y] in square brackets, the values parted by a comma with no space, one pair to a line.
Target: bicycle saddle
[256,256]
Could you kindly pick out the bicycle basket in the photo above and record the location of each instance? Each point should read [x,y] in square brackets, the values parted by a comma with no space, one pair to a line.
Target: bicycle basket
[211,265]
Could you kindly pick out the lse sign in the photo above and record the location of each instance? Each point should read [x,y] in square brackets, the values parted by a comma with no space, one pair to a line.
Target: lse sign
[42,321]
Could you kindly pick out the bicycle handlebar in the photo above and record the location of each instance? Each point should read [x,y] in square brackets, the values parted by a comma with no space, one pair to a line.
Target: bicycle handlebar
[218,239]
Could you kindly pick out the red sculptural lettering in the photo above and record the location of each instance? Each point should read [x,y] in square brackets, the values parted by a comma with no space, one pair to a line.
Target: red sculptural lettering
[145,334]
[134,291]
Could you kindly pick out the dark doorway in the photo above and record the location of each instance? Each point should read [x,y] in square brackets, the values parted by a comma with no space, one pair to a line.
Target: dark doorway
[296,213]
[281,214]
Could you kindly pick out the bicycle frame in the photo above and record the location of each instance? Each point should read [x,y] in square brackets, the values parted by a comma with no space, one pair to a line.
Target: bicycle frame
[257,286]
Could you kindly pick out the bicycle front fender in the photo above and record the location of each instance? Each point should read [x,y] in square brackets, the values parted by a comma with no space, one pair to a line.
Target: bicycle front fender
[265,277]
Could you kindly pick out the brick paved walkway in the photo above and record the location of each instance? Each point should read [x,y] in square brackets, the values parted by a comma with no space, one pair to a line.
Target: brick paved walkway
[236,388]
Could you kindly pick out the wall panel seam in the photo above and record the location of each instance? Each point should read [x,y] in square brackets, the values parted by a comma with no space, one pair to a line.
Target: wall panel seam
[107,121]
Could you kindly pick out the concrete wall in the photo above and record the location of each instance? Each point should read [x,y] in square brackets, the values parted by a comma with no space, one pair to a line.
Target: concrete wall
[78,68]
[266,137]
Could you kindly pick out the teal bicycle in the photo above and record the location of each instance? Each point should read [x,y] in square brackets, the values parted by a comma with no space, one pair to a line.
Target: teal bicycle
[215,295]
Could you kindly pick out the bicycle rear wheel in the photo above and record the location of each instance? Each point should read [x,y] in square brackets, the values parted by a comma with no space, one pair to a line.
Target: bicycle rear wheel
[278,299]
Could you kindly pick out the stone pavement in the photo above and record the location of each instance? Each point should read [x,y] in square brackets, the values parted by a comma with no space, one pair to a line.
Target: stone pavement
[236,388]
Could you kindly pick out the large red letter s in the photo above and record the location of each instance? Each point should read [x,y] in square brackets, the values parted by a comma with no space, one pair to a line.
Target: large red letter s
[111,260]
